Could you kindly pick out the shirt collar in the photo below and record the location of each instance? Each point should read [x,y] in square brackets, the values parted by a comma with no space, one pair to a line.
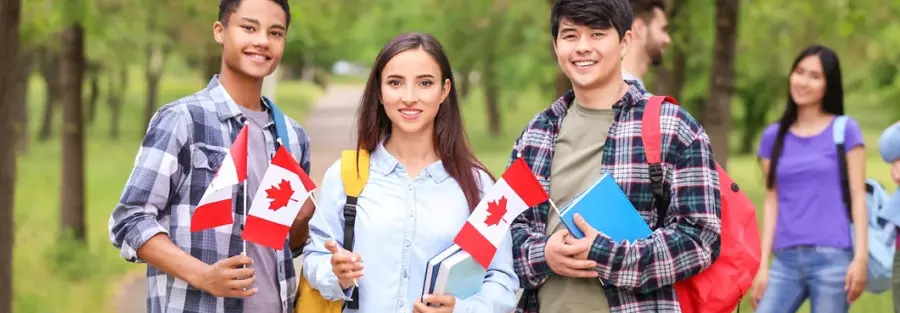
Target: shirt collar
[631,98]
[225,105]
[384,163]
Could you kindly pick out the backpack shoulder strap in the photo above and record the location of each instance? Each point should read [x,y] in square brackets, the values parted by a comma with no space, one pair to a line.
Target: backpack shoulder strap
[354,174]
[651,138]
[280,122]
[838,131]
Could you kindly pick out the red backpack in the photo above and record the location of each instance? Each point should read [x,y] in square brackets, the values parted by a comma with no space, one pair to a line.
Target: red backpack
[719,288]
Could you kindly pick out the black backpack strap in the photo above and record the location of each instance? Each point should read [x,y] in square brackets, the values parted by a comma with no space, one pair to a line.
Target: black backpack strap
[349,229]
[354,174]
[659,192]
[838,128]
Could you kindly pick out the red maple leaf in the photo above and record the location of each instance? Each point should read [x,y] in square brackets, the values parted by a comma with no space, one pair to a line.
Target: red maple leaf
[496,210]
[280,195]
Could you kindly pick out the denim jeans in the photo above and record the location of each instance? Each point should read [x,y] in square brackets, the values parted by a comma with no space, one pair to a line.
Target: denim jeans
[814,273]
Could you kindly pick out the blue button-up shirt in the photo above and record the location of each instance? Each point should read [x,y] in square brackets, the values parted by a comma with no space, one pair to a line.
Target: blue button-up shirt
[401,223]
[185,144]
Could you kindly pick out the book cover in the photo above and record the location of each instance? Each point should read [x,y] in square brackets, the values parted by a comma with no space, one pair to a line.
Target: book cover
[605,207]
[453,272]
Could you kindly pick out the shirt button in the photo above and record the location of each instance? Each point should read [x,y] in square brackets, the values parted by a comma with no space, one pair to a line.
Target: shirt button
[404,274]
[400,305]
[408,243]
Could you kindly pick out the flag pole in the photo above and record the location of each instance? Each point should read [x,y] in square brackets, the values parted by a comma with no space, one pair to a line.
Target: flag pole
[244,222]
[553,205]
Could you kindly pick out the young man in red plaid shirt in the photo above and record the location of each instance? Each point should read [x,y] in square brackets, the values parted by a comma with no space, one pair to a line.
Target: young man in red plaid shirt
[595,128]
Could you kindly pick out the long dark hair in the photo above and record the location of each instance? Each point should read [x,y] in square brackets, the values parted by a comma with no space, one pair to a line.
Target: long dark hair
[832,102]
[450,139]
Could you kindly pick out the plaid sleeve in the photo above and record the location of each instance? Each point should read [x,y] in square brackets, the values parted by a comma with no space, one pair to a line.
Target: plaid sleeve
[681,249]
[528,238]
[158,169]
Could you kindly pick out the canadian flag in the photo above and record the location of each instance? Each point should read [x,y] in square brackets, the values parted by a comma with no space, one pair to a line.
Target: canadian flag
[215,207]
[282,191]
[515,191]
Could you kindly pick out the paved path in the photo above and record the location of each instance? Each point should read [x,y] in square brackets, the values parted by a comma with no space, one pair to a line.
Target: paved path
[330,124]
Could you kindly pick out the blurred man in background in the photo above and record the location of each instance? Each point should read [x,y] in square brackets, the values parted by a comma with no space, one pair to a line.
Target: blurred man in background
[651,37]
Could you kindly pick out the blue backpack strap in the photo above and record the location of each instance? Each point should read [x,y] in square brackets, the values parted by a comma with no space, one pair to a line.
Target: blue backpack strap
[838,130]
[280,121]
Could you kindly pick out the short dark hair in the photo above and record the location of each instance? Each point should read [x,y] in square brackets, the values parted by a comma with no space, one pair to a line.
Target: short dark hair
[643,9]
[593,13]
[228,7]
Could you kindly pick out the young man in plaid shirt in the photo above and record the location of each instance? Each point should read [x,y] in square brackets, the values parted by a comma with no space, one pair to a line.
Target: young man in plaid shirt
[593,129]
[186,143]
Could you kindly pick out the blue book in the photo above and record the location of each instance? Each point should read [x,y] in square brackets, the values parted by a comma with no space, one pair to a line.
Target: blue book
[605,207]
[453,272]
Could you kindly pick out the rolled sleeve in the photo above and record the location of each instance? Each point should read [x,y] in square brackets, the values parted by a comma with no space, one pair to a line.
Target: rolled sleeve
[157,171]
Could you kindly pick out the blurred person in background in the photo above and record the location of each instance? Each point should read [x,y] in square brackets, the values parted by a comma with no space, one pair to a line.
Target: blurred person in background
[805,218]
[650,37]
[889,147]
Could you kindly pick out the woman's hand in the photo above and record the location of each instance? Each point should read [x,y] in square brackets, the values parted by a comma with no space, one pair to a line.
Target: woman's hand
[346,265]
[445,304]
[856,279]
[759,286]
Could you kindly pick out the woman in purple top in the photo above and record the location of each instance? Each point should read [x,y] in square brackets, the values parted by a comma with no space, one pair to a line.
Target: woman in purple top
[805,221]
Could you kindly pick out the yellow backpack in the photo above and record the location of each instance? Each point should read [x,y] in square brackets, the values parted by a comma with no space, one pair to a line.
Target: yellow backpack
[309,300]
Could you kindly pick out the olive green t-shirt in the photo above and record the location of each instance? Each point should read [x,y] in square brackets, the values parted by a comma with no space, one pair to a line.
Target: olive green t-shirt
[575,165]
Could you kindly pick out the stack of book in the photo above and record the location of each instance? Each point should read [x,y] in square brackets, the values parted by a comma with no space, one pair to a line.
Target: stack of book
[453,272]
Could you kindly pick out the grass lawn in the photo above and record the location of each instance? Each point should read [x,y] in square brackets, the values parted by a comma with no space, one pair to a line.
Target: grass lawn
[55,276]
[495,153]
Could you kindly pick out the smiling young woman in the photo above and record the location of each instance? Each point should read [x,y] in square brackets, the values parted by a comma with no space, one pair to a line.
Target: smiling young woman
[804,215]
[423,182]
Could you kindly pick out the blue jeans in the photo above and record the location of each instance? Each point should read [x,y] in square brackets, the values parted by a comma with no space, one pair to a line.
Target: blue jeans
[798,273]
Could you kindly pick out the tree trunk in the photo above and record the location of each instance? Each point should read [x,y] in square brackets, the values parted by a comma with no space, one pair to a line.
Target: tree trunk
[93,74]
[562,84]
[115,96]
[20,101]
[721,88]
[211,66]
[49,66]
[491,90]
[10,11]
[465,82]
[156,58]
[71,77]
[670,81]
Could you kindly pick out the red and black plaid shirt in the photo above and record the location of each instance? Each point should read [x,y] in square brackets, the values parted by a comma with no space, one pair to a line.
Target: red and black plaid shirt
[639,275]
